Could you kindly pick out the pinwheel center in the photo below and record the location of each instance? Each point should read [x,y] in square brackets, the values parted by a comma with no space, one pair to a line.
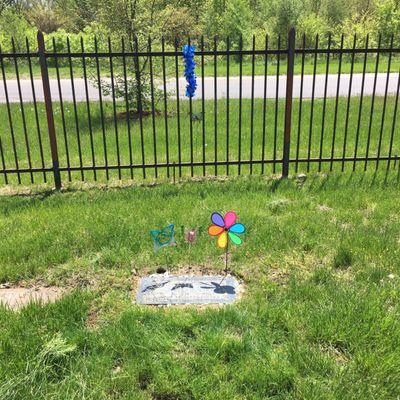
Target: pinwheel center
[226,229]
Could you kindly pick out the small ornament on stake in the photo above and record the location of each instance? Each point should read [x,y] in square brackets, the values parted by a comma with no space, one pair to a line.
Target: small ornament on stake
[190,238]
[191,235]
[163,238]
[227,229]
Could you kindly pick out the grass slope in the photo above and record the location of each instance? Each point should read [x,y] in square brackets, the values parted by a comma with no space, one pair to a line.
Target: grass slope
[319,318]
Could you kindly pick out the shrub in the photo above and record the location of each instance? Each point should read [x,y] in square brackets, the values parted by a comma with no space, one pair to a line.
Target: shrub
[14,25]
[312,25]
[388,19]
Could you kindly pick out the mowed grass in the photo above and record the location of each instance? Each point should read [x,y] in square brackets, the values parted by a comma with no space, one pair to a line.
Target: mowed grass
[319,318]
[218,145]
[209,69]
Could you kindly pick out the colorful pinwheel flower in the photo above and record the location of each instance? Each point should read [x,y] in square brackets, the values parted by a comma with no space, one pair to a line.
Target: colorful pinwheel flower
[225,228]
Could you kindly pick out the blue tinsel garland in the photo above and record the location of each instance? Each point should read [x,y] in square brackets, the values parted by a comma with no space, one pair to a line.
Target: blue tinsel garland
[188,56]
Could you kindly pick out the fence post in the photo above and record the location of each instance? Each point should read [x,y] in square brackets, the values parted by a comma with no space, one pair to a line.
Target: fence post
[49,109]
[288,103]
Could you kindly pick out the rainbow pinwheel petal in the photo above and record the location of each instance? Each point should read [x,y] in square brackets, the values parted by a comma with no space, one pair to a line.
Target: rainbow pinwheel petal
[237,228]
[215,230]
[222,241]
[229,219]
[217,219]
[235,238]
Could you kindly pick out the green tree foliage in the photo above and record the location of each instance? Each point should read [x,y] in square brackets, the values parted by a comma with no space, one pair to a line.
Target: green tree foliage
[237,21]
[311,25]
[211,18]
[14,25]
[388,19]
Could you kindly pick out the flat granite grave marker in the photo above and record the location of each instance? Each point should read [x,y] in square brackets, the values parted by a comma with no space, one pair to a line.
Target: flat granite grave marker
[169,289]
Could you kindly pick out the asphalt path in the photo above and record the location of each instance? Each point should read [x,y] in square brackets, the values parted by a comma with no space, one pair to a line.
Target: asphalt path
[274,86]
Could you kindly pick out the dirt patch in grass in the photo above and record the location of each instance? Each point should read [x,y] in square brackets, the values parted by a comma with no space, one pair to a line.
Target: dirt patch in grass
[338,354]
[18,297]
[324,208]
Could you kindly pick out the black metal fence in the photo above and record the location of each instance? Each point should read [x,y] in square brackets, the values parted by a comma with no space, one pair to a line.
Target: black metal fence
[105,114]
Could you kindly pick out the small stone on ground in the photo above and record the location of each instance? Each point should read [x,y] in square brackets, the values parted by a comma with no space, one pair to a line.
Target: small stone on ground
[17,297]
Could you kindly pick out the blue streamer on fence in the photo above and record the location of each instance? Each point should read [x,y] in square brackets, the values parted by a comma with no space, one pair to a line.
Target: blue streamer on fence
[190,65]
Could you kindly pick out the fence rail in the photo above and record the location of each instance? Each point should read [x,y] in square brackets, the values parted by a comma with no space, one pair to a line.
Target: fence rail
[103,114]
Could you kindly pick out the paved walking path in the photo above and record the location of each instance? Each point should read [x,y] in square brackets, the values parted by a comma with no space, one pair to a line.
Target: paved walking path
[209,84]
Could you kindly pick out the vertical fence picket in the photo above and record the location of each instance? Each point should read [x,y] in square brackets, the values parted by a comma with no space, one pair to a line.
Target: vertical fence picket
[264,124]
[215,110]
[346,124]
[10,119]
[276,104]
[252,104]
[49,110]
[78,133]
[336,104]
[310,132]
[127,110]
[164,77]
[3,162]
[321,144]
[178,113]
[361,103]
[371,113]
[191,129]
[60,96]
[393,124]
[103,129]
[114,108]
[203,111]
[384,103]
[300,102]
[153,111]
[240,106]
[89,116]
[227,105]
[288,104]
[22,110]
[39,133]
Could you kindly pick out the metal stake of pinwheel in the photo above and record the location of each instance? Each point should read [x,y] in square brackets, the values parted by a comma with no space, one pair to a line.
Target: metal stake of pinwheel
[227,229]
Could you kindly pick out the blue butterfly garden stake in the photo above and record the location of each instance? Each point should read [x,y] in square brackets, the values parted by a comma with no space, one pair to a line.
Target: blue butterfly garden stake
[163,238]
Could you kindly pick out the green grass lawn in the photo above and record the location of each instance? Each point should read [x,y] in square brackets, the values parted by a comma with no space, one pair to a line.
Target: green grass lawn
[319,318]
[234,67]
[221,142]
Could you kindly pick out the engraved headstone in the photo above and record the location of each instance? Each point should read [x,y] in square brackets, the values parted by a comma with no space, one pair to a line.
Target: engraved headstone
[169,289]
